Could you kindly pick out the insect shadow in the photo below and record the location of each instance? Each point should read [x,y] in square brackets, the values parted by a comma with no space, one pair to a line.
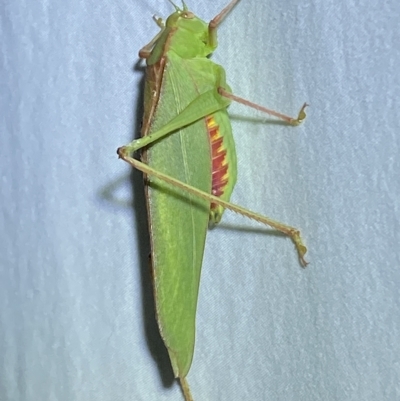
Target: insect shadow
[257,120]
[248,230]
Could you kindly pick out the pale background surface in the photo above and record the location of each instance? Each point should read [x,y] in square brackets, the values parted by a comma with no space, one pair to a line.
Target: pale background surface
[75,296]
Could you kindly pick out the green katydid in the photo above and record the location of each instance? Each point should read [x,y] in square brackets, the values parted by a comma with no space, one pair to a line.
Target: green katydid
[189,161]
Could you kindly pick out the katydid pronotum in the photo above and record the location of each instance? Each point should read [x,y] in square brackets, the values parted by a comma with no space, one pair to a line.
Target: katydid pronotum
[189,162]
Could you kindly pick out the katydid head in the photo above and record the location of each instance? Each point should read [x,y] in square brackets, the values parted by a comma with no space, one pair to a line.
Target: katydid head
[189,35]
[184,34]
[174,20]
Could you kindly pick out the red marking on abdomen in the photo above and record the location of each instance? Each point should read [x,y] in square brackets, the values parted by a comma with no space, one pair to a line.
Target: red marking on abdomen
[218,158]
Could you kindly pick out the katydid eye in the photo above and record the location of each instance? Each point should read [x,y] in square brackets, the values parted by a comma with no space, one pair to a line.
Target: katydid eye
[187,15]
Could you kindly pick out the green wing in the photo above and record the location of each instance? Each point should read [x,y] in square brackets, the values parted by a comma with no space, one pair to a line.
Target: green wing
[178,221]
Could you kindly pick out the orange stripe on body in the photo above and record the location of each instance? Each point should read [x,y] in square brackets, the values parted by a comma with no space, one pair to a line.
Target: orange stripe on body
[220,168]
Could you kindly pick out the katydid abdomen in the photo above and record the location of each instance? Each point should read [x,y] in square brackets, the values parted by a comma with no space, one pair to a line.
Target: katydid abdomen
[223,160]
